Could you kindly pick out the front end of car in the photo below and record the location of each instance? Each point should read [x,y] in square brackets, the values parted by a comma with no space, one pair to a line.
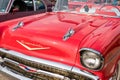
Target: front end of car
[45,57]
[59,45]
[25,67]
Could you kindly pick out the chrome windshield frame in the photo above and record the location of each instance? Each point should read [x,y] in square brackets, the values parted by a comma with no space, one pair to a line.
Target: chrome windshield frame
[8,7]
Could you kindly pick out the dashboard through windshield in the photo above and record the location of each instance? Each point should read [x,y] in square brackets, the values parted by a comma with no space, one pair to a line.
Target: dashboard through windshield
[95,7]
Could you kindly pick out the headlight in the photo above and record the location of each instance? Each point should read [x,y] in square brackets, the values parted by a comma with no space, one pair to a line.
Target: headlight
[91,59]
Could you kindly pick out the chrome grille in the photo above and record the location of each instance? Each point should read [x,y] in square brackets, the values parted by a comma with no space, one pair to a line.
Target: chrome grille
[12,61]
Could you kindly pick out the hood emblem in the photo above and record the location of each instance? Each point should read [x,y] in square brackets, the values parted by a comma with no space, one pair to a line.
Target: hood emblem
[35,46]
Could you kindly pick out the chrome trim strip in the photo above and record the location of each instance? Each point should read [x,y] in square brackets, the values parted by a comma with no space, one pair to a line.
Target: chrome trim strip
[33,48]
[34,5]
[38,71]
[43,61]
[87,74]
[7,71]
[39,60]
[89,49]
[10,6]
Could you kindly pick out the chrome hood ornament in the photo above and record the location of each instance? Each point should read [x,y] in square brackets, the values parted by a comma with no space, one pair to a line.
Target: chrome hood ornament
[19,25]
[36,47]
[68,34]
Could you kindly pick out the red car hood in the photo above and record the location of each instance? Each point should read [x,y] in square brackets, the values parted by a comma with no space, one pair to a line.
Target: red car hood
[42,36]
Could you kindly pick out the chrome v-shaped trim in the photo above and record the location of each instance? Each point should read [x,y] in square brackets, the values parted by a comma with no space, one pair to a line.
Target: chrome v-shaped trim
[32,49]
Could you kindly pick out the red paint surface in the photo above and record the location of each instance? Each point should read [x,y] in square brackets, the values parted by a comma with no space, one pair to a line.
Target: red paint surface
[48,29]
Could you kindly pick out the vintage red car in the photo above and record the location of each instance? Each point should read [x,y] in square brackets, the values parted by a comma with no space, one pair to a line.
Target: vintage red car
[73,42]
[11,9]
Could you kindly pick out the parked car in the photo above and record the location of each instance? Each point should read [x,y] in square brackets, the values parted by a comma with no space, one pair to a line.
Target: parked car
[10,9]
[70,43]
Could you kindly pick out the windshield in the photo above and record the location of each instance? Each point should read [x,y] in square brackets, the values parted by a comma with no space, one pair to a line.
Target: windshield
[109,8]
[3,5]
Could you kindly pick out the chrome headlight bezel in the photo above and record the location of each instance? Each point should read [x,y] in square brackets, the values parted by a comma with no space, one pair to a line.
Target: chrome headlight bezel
[96,57]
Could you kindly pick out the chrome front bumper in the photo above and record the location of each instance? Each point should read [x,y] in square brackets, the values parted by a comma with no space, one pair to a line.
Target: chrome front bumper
[25,67]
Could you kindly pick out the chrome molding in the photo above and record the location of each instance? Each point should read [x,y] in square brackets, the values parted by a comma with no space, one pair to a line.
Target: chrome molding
[87,74]
[29,48]
[34,5]
[37,70]
[43,61]
[7,71]
[92,50]
[96,52]
[10,6]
